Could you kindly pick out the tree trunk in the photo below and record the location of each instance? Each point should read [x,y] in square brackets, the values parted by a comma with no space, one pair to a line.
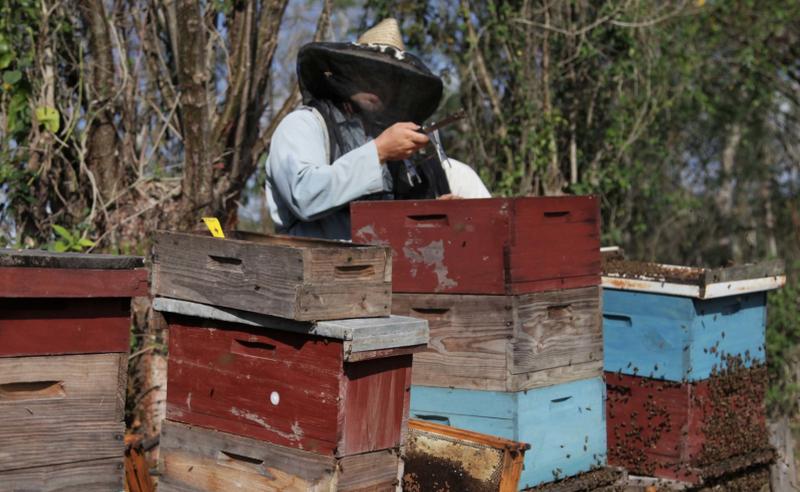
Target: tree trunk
[727,190]
[196,185]
[102,140]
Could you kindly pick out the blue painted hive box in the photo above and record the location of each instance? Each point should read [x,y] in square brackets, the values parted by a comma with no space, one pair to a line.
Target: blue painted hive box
[565,424]
[682,323]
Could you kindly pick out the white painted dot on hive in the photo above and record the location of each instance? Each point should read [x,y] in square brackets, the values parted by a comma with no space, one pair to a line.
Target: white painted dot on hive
[274,398]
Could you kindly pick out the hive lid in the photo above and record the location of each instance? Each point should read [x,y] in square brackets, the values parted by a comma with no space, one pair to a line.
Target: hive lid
[34,258]
[360,334]
[697,282]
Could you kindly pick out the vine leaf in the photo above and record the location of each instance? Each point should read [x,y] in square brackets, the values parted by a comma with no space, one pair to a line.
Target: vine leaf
[49,117]
[63,233]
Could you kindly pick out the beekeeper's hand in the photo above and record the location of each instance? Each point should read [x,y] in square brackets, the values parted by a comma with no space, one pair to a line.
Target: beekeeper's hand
[400,141]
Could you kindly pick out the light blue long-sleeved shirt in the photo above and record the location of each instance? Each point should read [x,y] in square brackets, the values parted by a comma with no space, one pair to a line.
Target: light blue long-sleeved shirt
[306,195]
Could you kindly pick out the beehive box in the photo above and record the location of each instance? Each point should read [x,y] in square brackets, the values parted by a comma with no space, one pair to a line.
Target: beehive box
[679,323]
[440,457]
[691,432]
[202,460]
[330,387]
[64,338]
[565,423]
[507,343]
[295,278]
[486,246]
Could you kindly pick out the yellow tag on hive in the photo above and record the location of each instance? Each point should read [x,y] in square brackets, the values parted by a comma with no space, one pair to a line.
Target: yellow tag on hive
[214,226]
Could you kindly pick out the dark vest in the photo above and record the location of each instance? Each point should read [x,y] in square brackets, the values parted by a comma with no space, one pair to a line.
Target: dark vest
[421,177]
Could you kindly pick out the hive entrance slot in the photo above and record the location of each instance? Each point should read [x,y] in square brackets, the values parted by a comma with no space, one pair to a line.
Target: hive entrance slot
[33,390]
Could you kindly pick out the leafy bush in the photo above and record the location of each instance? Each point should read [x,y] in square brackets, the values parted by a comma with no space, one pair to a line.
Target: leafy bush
[783,345]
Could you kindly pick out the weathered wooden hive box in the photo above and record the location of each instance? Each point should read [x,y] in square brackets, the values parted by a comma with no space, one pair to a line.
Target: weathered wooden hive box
[335,388]
[199,459]
[440,457]
[564,423]
[486,246]
[691,432]
[680,323]
[294,278]
[64,341]
[507,343]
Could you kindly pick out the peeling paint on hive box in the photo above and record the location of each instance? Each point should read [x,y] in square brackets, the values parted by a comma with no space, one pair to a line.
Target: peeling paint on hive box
[485,246]
[272,380]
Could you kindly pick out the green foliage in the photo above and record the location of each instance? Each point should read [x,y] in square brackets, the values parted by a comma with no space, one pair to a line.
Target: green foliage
[68,240]
[18,21]
[783,345]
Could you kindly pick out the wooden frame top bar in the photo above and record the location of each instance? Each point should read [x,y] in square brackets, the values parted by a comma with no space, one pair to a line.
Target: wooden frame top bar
[358,335]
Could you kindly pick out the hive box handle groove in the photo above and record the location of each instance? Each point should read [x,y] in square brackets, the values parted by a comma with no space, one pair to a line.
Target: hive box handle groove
[353,271]
[552,214]
[559,311]
[33,390]
[228,457]
[619,318]
[430,220]
[431,311]
[252,348]
[225,263]
[433,418]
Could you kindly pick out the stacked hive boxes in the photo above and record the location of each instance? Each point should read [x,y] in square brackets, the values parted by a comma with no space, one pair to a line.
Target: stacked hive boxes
[510,288]
[290,403]
[684,355]
[64,340]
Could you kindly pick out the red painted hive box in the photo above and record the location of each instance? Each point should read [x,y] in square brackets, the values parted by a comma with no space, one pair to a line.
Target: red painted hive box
[485,246]
[335,388]
[691,432]
[64,340]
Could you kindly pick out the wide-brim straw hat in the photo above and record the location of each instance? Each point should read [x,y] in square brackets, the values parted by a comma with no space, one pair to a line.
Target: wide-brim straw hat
[376,63]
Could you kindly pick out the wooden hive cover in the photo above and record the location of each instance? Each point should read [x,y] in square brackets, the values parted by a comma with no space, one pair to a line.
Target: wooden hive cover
[485,246]
[294,278]
[42,274]
[694,282]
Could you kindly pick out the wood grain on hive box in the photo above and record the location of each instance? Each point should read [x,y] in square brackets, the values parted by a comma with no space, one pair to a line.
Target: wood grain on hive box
[198,460]
[507,343]
[293,278]
[486,246]
[101,475]
[337,387]
[61,409]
